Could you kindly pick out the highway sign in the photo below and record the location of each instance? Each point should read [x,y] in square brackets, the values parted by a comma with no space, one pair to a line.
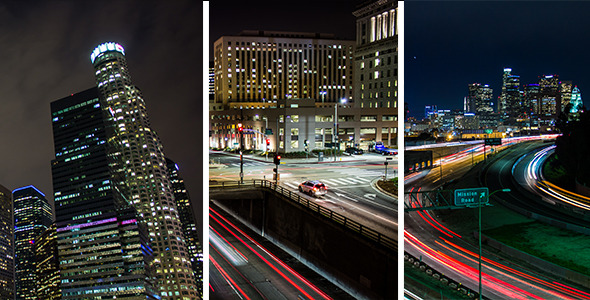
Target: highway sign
[471,197]
[493,142]
[268,131]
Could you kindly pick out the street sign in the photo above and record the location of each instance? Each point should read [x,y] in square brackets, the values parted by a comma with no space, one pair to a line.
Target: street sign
[268,131]
[488,131]
[235,144]
[471,197]
[493,142]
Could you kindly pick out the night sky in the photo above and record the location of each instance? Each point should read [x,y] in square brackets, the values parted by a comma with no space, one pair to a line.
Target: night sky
[333,17]
[451,44]
[45,56]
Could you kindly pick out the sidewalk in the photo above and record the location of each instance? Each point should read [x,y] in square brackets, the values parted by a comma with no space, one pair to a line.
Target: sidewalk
[311,160]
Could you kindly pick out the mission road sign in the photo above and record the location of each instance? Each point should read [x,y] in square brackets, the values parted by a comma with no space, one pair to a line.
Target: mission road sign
[471,197]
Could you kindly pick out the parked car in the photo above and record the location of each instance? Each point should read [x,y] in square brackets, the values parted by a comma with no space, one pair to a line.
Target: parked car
[354,150]
[313,188]
[381,149]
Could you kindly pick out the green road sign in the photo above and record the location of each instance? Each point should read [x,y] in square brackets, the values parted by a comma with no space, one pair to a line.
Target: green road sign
[493,142]
[268,131]
[488,131]
[235,144]
[471,197]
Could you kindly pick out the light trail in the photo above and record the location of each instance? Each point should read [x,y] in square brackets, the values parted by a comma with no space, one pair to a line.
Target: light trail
[458,259]
[273,257]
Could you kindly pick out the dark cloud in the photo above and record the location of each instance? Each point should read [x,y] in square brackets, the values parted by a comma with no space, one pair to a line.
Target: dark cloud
[45,55]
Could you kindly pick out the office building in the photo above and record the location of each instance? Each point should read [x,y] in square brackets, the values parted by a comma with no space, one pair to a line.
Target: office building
[190,228]
[141,171]
[479,99]
[509,104]
[549,101]
[32,216]
[7,288]
[263,66]
[375,68]
[565,89]
[47,266]
[102,244]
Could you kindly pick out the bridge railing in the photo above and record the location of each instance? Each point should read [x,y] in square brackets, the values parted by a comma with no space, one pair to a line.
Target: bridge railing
[366,232]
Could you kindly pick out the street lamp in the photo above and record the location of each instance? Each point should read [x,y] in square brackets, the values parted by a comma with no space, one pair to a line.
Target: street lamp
[266,136]
[479,208]
[323,93]
[335,133]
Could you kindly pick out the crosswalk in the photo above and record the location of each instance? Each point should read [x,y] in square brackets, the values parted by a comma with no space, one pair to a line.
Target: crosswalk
[249,164]
[333,182]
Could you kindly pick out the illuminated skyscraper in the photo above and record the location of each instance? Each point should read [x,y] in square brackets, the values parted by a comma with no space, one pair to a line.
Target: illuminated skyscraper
[6,245]
[102,244]
[190,228]
[510,96]
[141,170]
[32,216]
[479,100]
[47,266]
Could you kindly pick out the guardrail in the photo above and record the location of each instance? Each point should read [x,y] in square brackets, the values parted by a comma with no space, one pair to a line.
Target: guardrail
[366,232]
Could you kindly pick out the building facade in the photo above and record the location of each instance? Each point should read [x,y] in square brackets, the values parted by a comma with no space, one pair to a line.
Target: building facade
[142,173]
[376,59]
[102,244]
[295,122]
[509,104]
[47,266]
[264,66]
[190,228]
[479,99]
[7,287]
[32,216]
[549,101]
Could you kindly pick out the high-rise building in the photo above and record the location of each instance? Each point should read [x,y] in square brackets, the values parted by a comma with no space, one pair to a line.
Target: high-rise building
[565,90]
[376,54]
[264,66]
[190,228]
[550,99]
[32,216]
[6,245]
[141,171]
[479,99]
[375,60]
[509,104]
[102,244]
[47,266]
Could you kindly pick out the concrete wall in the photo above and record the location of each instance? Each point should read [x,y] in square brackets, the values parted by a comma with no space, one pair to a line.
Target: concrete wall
[363,268]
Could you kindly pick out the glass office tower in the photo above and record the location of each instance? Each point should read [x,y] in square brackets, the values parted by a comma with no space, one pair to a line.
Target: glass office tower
[142,172]
[32,216]
[103,247]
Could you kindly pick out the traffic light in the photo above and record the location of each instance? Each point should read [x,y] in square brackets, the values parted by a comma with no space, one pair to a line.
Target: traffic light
[268,142]
[240,128]
[277,159]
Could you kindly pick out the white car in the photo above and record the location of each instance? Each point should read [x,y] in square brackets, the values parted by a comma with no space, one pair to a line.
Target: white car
[313,188]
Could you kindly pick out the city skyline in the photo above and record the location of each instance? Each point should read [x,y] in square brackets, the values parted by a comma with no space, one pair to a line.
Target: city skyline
[47,57]
[475,41]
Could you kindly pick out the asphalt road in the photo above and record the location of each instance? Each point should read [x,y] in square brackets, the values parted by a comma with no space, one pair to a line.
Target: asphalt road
[351,190]
[448,252]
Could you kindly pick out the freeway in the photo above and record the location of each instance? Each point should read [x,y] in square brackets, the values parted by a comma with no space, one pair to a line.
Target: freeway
[244,266]
[449,252]
[351,190]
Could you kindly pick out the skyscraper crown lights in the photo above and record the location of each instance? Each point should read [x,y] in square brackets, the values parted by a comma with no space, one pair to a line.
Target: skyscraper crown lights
[105,47]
